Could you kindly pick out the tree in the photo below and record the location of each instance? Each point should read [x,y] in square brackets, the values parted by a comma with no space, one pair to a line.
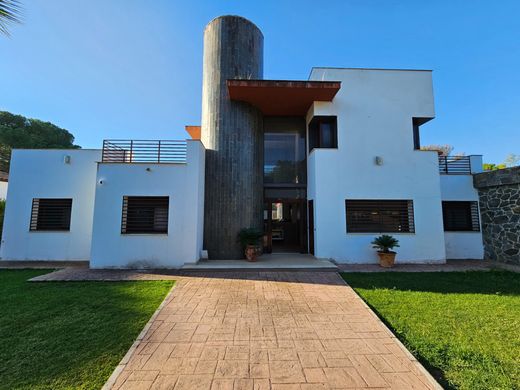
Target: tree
[443,150]
[17,131]
[511,160]
[10,12]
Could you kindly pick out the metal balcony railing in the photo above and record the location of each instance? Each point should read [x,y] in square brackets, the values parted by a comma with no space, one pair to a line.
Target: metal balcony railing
[143,151]
[455,165]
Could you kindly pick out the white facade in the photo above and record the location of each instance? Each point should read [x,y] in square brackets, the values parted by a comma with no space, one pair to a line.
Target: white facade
[375,159]
[462,245]
[183,183]
[374,110]
[3,190]
[49,174]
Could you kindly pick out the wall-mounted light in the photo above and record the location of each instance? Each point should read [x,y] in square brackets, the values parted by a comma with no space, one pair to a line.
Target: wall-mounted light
[148,169]
[66,159]
[378,160]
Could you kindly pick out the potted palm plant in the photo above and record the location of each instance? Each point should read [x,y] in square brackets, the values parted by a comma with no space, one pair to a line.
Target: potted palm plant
[384,245]
[249,239]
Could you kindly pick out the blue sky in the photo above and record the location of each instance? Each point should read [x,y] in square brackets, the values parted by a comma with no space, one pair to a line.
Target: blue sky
[132,68]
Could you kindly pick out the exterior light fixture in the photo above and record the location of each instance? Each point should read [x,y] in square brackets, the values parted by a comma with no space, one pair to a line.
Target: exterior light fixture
[378,160]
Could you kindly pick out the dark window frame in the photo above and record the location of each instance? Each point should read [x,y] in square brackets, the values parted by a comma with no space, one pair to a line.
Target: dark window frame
[140,215]
[460,216]
[50,215]
[379,216]
[316,136]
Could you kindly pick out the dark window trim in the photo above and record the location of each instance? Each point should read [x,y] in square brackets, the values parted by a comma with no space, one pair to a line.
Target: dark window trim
[381,211]
[50,215]
[416,123]
[139,215]
[315,138]
[471,219]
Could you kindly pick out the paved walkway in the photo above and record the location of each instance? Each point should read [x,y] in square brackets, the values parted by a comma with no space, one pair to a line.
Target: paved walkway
[267,330]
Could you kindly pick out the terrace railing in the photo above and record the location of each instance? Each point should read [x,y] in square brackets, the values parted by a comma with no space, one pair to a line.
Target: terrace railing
[455,165]
[144,151]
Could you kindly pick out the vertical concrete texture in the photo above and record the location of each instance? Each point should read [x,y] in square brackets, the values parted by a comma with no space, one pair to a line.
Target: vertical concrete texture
[232,133]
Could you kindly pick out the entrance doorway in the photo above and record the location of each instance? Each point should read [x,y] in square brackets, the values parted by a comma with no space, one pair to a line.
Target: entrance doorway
[285,226]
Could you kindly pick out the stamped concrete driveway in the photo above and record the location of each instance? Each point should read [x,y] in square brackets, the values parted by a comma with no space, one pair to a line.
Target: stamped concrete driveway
[267,330]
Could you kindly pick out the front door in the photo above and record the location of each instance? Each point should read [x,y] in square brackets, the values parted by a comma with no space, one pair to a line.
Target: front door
[285,226]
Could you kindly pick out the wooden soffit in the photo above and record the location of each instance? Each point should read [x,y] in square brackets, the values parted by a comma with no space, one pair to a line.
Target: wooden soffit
[280,97]
[193,131]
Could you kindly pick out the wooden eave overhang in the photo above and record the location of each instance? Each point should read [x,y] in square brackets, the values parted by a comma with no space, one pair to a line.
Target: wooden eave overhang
[282,97]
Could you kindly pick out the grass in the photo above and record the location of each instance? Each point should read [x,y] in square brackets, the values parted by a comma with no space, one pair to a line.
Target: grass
[58,335]
[464,326]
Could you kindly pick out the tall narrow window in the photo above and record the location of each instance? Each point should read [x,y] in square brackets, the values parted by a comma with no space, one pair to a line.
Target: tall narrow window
[460,216]
[323,132]
[145,214]
[50,214]
[380,216]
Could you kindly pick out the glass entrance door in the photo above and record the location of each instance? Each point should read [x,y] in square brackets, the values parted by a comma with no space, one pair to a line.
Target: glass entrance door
[284,222]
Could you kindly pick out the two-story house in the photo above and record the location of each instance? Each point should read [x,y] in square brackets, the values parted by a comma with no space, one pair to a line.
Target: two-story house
[322,166]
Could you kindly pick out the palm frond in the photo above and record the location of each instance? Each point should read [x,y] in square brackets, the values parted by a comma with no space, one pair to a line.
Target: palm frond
[10,12]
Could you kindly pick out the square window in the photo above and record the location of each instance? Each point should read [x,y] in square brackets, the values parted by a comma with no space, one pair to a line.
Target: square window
[323,132]
[145,215]
[50,214]
[460,216]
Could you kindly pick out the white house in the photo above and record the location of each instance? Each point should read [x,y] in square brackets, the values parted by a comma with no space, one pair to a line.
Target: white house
[322,166]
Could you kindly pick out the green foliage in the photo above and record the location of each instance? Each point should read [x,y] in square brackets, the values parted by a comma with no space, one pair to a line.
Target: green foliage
[249,236]
[10,12]
[69,335]
[385,243]
[464,326]
[493,167]
[17,131]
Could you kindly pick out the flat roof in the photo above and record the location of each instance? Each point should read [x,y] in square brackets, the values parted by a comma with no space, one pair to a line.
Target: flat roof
[282,97]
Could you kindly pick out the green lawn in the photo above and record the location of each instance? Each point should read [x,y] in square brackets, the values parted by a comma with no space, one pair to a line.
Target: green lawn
[463,324]
[57,335]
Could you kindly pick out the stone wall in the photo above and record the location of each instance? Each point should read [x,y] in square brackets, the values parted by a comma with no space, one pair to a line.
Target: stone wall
[499,193]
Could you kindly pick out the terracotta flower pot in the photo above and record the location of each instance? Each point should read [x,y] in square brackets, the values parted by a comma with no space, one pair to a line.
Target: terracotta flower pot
[251,252]
[386,259]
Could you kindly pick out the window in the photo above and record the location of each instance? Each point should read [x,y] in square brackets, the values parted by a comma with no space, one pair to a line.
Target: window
[460,216]
[145,214]
[284,151]
[379,216]
[323,132]
[50,214]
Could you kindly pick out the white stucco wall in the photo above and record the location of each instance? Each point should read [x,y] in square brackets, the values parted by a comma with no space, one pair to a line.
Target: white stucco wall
[461,245]
[183,183]
[44,174]
[3,189]
[374,110]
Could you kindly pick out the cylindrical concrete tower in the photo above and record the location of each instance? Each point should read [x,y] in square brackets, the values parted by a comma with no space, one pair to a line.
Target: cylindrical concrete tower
[232,133]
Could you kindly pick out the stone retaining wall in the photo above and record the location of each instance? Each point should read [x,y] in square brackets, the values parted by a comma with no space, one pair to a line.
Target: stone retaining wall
[499,193]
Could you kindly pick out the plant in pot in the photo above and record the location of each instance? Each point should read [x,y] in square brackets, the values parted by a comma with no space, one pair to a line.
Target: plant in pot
[250,238]
[384,245]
